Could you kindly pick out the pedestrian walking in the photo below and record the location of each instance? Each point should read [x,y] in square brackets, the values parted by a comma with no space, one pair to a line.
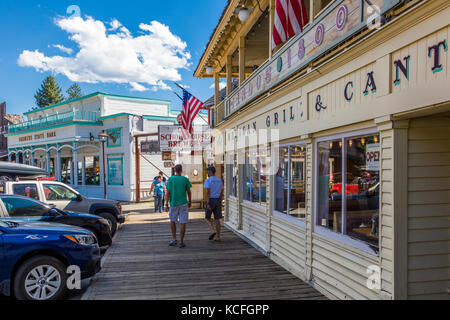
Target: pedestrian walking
[159,188]
[177,188]
[214,196]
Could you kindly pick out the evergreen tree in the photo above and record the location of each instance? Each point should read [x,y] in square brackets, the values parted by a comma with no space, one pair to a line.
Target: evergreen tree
[49,93]
[74,92]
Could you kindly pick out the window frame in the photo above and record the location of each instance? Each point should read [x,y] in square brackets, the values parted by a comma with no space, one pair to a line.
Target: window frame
[233,157]
[278,214]
[325,232]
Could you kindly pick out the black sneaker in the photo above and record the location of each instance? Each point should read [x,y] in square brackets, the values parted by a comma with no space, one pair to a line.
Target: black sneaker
[182,245]
[173,243]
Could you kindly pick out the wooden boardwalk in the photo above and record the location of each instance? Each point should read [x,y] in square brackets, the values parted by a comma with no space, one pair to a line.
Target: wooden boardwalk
[141,265]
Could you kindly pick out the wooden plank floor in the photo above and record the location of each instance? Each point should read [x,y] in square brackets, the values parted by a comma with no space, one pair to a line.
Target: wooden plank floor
[141,265]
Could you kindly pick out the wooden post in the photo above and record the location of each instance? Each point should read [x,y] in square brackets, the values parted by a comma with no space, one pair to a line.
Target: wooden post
[138,170]
[229,75]
[241,60]
[271,21]
[216,88]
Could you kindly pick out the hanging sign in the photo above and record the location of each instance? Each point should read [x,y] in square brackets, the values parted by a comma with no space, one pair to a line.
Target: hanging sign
[174,138]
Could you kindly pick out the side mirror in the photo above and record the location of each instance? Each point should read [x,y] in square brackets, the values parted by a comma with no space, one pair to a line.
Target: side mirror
[79,198]
[53,213]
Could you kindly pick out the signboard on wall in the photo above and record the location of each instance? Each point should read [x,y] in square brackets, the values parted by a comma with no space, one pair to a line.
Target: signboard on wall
[150,147]
[172,139]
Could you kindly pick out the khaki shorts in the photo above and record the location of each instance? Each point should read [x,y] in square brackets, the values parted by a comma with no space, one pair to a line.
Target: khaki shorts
[179,214]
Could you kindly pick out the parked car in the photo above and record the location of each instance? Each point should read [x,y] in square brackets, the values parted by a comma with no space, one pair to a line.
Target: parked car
[35,257]
[56,193]
[26,209]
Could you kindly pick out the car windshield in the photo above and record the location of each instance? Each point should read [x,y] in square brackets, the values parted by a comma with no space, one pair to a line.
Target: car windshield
[8,224]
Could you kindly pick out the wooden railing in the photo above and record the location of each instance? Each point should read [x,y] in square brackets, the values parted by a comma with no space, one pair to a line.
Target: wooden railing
[219,113]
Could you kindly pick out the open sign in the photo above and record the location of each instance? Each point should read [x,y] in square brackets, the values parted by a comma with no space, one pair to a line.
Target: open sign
[373,156]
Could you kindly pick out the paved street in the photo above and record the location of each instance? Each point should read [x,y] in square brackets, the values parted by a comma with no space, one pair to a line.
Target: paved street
[141,265]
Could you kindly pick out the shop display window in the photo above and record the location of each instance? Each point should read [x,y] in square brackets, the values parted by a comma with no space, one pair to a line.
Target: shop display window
[92,170]
[255,184]
[349,186]
[289,181]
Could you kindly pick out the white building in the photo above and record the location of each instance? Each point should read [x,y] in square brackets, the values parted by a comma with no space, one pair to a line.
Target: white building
[64,139]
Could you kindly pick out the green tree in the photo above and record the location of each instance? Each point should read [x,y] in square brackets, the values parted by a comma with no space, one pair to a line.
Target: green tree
[49,93]
[74,92]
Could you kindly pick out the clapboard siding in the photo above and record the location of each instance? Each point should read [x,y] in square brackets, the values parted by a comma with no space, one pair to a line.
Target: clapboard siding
[429,208]
[387,210]
[254,226]
[233,212]
[288,243]
[340,270]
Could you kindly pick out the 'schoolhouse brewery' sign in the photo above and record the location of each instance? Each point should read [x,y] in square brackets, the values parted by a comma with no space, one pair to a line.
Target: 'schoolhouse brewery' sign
[340,21]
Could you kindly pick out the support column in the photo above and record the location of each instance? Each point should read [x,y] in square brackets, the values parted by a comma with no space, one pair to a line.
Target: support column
[216,88]
[241,60]
[24,157]
[9,157]
[75,165]
[47,154]
[32,157]
[241,185]
[229,68]
[83,172]
[58,165]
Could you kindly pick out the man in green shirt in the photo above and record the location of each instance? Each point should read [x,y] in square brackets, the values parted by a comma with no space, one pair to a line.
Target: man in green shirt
[176,190]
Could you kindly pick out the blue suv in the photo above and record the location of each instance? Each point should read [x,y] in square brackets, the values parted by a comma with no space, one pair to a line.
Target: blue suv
[35,258]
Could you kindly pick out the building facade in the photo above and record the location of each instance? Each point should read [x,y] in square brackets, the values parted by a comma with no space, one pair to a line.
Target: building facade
[5,121]
[337,147]
[64,139]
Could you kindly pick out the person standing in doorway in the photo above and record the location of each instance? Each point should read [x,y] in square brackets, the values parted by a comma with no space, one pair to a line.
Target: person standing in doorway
[176,190]
[159,187]
[214,196]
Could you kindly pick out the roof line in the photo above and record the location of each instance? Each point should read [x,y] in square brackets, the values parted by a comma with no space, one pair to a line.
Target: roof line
[97,94]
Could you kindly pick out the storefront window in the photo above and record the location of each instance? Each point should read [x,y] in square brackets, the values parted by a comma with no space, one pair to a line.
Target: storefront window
[92,171]
[255,176]
[66,170]
[349,203]
[290,181]
[80,173]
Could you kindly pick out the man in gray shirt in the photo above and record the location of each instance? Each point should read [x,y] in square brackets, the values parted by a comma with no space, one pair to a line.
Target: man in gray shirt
[214,196]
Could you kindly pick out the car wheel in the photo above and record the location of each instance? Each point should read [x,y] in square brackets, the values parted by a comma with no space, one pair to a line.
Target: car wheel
[40,278]
[111,221]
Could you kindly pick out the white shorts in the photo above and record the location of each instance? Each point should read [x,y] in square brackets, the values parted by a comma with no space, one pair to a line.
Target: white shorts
[179,214]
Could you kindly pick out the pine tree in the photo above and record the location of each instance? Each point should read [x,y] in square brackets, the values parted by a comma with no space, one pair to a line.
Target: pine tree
[74,92]
[49,93]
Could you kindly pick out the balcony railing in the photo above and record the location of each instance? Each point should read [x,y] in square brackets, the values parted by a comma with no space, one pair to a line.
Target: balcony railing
[219,113]
[84,116]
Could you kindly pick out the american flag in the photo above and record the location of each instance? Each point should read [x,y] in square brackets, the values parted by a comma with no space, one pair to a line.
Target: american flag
[290,18]
[191,107]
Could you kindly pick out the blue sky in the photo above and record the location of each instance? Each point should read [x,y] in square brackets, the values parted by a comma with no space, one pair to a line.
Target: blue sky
[30,29]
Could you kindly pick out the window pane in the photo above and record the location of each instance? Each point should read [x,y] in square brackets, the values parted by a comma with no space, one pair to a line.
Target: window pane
[56,192]
[261,173]
[330,184]
[281,180]
[297,185]
[66,170]
[363,188]
[26,190]
[24,208]
[92,170]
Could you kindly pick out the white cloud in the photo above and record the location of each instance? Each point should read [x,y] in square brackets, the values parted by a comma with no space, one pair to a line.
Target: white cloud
[63,49]
[113,55]
[222,85]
